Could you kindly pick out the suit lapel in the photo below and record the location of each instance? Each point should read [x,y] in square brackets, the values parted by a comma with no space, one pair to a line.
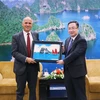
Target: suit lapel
[21,36]
[66,46]
[67,43]
[34,36]
[78,36]
[73,43]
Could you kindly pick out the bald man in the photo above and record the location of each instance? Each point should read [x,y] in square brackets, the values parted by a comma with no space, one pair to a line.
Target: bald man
[25,68]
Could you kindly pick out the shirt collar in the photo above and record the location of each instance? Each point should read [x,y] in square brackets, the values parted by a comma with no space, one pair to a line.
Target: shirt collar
[74,37]
[26,32]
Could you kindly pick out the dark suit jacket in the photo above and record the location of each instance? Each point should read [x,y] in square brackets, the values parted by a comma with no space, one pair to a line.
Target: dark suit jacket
[74,60]
[19,52]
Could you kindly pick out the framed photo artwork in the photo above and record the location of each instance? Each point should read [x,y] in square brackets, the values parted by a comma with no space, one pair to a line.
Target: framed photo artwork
[46,51]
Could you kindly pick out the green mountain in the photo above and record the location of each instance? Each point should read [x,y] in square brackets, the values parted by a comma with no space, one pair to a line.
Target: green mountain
[11,18]
[87,32]
[52,24]
[53,37]
[54,6]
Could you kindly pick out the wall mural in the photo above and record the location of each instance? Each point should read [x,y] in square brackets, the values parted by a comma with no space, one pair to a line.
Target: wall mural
[51,18]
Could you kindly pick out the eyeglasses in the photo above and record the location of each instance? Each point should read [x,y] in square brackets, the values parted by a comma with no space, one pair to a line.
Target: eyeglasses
[72,28]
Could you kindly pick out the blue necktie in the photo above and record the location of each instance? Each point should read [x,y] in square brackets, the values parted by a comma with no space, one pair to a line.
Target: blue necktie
[70,44]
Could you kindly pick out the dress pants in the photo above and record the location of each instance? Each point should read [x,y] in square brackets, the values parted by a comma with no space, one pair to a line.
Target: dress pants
[30,76]
[75,87]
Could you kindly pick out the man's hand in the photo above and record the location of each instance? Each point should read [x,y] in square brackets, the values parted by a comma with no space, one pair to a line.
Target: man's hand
[30,60]
[60,62]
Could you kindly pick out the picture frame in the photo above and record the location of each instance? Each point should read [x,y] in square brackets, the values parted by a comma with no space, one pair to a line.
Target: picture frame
[46,51]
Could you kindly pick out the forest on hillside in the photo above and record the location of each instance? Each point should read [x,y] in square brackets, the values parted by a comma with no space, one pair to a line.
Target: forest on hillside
[11,17]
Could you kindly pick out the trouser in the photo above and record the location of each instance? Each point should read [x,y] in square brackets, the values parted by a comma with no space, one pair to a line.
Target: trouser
[30,76]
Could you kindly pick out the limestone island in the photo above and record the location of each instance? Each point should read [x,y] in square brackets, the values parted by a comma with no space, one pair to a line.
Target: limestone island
[53,37]
[52,24]
[87,32]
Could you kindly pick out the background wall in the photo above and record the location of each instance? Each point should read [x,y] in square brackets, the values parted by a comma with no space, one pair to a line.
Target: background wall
[51,18]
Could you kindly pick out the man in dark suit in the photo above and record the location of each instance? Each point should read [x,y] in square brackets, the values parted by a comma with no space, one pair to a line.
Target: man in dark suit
[25,68]
[74,63]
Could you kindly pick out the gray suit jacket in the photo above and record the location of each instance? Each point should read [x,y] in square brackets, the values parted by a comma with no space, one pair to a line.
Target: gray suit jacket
[19,52]
[74,60]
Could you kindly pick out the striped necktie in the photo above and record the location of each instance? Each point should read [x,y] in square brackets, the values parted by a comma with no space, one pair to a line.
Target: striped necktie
[70,44]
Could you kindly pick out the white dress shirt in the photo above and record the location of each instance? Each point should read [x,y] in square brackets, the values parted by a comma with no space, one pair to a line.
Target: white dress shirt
[25,37]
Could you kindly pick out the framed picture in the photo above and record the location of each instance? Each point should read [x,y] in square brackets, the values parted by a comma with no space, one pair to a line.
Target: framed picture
[46,51]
